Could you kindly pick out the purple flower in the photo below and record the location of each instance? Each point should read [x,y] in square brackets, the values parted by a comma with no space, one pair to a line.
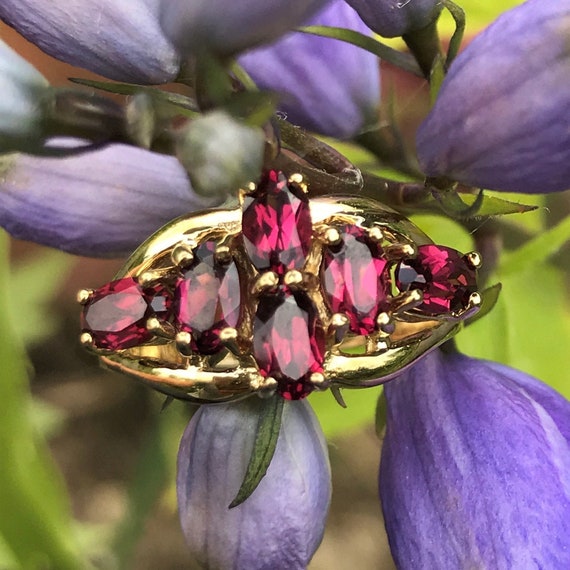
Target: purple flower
[144,41]
[392,18]
[501,120]
[282,523]
[475,468]
[102,203]
[326,85]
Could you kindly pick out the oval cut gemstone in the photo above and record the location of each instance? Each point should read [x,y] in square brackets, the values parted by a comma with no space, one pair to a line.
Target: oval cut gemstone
[207,299]
[276,224]
[287,343]
[354,278]
[443,276]
[116,314]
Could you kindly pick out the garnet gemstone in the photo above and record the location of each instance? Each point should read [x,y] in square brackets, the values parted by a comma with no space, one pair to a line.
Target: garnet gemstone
[116,314]
[442,275]
[354,279]
[276,224]
[207,299]
[288,344]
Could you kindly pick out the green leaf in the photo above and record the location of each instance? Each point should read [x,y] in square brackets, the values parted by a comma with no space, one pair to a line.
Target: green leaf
[255,107]
[386,53]
[264,446]
[35,522]
[458,16]
[536,250]
[381,416]
[437,75]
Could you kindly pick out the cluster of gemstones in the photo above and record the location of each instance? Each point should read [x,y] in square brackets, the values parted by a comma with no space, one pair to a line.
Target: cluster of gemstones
[254,294]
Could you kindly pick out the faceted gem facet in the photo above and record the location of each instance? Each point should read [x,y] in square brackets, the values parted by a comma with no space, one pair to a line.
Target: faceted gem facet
[288,345]
[116,314]
[207,299]
[276,224]
[443,276]
[354,278]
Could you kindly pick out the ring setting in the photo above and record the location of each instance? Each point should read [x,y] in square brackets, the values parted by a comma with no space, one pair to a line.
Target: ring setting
[281,294]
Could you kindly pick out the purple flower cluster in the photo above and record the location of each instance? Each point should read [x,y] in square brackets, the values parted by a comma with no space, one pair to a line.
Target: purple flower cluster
[475,469]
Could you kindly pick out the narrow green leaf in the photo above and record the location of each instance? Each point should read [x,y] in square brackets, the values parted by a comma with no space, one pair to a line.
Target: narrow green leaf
[536,250]
[437,75]
[255,107]
[386,53]
[458,15]
[381,416]
[263,449]
[465,206]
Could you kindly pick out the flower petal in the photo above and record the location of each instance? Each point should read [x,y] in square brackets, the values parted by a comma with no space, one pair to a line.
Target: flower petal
[391,18]
[226,28]
[281,524]
[21,86]
[101,203]
[120,40]
[327,85]
[475,468]
[501,118]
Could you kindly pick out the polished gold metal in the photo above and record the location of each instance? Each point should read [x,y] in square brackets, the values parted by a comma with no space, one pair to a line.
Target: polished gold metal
[84,296]
[351,361]
[473,259]
[299,180]
[162,329]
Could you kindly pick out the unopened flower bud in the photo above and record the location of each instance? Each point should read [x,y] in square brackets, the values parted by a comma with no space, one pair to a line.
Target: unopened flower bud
[392,18]
[220,153]
[22,88]
[501,118]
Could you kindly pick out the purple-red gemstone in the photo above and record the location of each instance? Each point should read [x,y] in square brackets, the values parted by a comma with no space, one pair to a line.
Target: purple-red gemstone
[354,278]
[276,224]
[443,276]
[116,314]
[207,299]
[288,344]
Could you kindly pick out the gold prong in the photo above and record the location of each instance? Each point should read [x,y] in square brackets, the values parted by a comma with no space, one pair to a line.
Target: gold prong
[375,234]
[229,338]
[398,251]
[293,279]
[149,278]
[267,282]
[385,324]
[183,341]
[474,301]
[182,255]
[335,391]
[84,296]
[338,320]
[223,254]
[331,236]
[86,339]
[473,259]
[263,386]
[160,328]
[407,301]
[298,179]
[319,381]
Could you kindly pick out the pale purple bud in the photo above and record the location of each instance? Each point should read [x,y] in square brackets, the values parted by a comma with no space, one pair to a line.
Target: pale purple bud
[502,118]
[326,85]
[392,18]
[102,203]
[281,524]
[117,39]
[475,469]
[22,89]
[226,28]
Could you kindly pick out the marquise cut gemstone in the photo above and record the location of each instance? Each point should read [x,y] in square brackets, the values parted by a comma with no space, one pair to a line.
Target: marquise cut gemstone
[443,276]
[116,314]
[354,278]
[207,299]
[288,344]
[276,224]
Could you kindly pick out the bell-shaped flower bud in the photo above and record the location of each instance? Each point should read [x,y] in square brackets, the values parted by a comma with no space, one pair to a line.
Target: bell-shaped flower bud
[102,203]
[226,28]
[281,524]
[22,90]
[475,469]
[326,85]
[220,153]
[120,40]
[393,18]
[501,118]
